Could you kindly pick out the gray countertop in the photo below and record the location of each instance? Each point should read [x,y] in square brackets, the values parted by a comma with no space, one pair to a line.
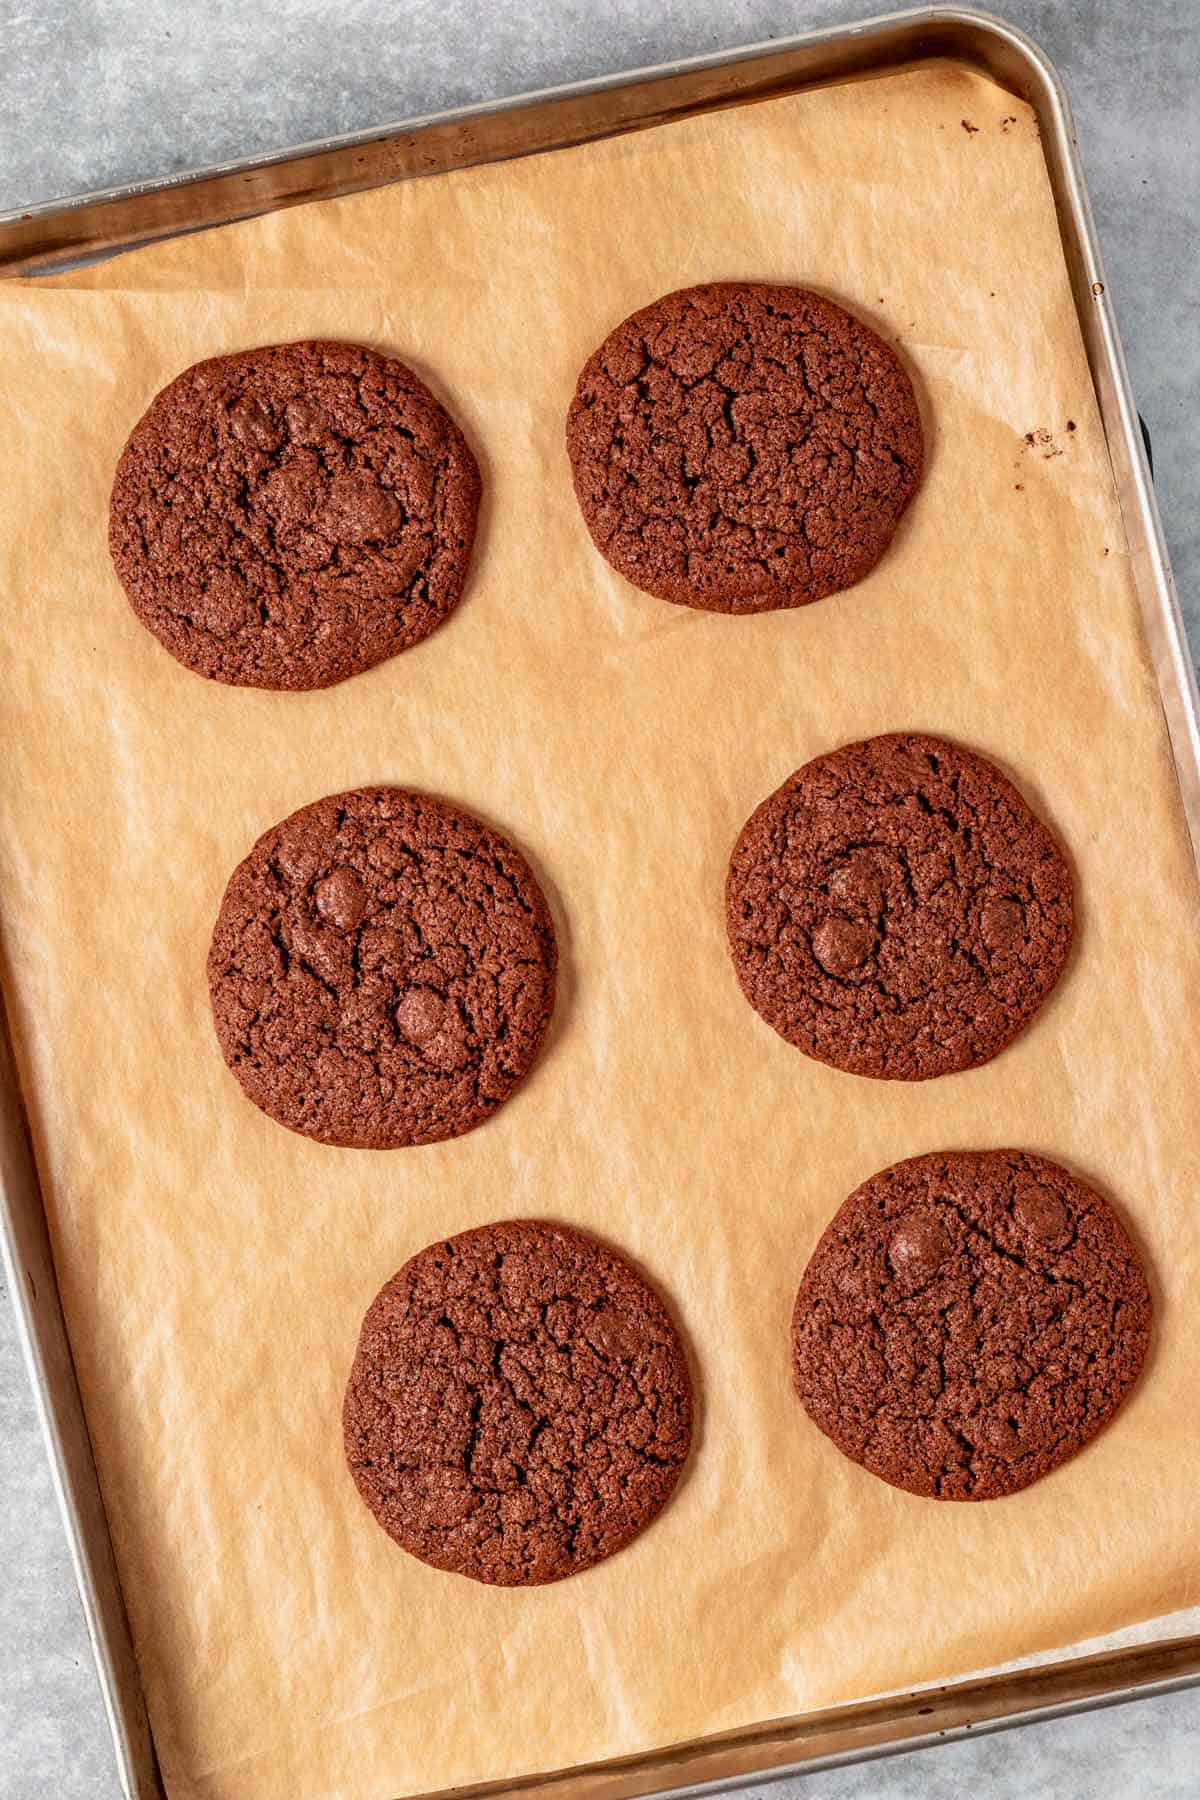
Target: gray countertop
[96,92]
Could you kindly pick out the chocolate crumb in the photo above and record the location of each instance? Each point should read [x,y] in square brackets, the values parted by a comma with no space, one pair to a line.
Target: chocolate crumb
[1041,439]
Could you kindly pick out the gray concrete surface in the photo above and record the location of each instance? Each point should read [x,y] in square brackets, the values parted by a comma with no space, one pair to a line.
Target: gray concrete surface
[94,92]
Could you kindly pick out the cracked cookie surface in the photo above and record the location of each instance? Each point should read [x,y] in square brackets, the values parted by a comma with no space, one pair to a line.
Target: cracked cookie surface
[382,970]
[290,516]
[740,447]
[895,909]
[519,1405]
[969,1321]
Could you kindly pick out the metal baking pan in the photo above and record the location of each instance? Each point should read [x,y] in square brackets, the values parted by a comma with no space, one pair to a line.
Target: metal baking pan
[61,233]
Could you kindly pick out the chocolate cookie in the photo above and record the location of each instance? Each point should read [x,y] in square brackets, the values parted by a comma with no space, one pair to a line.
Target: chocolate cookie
[895,909]
[741,447]
[293,515]
[382,970]
[519,1406]
[968,1321]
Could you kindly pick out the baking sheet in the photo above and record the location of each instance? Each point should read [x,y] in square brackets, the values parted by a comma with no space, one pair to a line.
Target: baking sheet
[214,1268]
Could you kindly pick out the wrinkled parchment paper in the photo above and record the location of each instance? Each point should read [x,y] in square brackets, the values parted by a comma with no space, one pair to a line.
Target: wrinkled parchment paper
[215,1268]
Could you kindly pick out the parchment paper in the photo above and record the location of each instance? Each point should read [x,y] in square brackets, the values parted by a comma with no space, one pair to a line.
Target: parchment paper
[215,1268]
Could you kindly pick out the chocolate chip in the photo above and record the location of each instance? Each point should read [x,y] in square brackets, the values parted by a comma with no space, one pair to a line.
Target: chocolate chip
[918,1249]
[613,1335]
[252,424]
[1002,923]
[421,1014]
[858,884]
[360,510]
[1040,1212]
[841,945]
[341,898]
